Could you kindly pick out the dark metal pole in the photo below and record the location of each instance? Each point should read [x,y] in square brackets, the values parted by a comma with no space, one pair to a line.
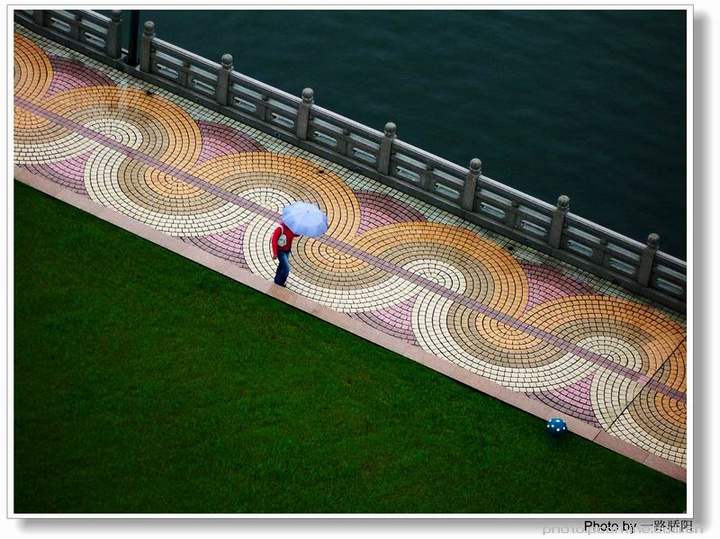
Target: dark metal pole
[132,57]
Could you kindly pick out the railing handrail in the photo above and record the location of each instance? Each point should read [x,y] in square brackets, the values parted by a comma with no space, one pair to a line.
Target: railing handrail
[96,17]
[369,131]
[183,54]
[463,191]
[270,90]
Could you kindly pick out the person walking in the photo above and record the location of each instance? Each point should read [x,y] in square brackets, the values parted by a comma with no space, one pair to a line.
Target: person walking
[281,243]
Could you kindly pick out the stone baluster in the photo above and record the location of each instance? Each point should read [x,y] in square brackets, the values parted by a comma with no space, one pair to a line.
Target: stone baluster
[342,147]
[146,41]
[183,74]
[76,29]
[222,89]
[386,144]
[558,221]
[427,181]
[263,111]
[113,43]
[303,117]
[472,179]
[647,259]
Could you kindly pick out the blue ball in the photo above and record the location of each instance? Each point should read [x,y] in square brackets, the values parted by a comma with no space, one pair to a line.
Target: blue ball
[556,427]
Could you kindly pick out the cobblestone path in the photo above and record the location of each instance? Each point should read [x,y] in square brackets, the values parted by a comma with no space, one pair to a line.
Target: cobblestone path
[532,324]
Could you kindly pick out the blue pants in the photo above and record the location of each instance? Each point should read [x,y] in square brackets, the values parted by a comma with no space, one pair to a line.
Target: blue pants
[283,269]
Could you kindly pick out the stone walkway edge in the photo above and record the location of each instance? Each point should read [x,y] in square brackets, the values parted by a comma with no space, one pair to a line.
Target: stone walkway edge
[353,326]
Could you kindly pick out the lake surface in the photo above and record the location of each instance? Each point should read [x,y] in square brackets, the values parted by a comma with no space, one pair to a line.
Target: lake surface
[591,104]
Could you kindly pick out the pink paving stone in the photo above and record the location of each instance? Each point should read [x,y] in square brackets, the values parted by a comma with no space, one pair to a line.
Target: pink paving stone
[227,245]
[546,284]
[378,210]
[69,74]
[220,140]
[573,400]
[395,320]
[68,173]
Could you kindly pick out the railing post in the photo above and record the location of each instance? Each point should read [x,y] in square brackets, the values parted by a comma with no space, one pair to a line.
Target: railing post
[182,79]
[132,57]
[75,32]
[342,147]
[146,46]
[558,221]
[471,183]
[262,108]
[39,16]
[223,80]
[303,117]
[427,182]
[113,43]
[386,144]
[647,259]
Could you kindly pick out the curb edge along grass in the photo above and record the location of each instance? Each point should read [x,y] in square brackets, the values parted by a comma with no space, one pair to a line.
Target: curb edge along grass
[356,327]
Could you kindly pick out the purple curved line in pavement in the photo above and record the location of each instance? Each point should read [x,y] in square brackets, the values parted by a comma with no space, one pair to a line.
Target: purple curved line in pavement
[393,269]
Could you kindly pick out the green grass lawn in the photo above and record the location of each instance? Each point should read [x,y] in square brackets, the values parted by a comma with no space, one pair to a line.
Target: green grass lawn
[145,383]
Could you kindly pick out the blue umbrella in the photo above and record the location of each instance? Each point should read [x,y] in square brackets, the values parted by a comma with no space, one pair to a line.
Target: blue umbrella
[305,219]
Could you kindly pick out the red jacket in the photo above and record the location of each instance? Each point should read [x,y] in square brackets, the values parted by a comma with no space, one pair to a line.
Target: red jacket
[290,237]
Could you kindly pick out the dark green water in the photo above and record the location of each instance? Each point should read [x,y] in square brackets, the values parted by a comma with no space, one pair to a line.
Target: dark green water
[591,104]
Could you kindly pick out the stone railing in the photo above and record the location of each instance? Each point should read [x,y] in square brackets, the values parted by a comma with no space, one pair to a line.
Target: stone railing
[638,267]
[87,27]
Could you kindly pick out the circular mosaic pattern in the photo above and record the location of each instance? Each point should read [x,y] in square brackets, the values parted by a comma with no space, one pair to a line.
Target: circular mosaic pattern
[274,180]
[69,74]
[491,275]
[493,349]
[32,77]
[648,337]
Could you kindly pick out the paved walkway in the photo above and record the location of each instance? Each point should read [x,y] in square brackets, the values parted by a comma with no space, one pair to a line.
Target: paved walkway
[543,330]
